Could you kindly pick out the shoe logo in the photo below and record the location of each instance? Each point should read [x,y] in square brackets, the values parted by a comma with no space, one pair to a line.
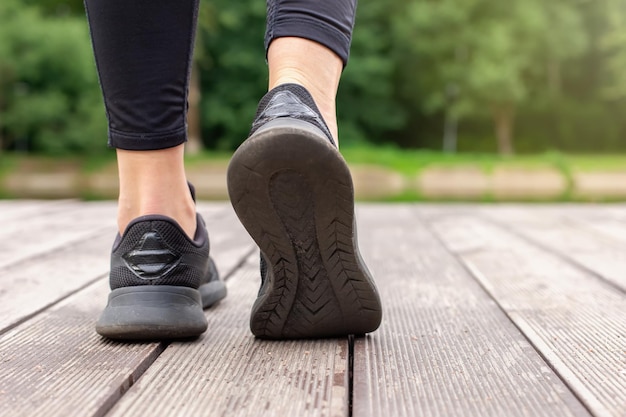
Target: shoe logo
[287,104]
[151,258]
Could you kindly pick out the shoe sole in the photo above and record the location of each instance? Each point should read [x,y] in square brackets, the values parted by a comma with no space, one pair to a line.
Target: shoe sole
[293,193]
[214,290]
[158,312]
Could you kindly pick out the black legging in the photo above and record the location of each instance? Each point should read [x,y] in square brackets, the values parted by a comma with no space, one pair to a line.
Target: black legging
[143,51]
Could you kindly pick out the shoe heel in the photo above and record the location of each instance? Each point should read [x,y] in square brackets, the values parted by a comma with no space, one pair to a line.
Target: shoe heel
[293,193]
[152,313]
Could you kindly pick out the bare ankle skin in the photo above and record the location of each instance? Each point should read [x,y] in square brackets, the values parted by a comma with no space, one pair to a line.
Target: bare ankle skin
[315,67]
[154,182]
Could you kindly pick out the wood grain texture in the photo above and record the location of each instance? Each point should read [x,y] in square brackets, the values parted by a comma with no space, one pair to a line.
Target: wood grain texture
[485,314]
[605,220]
[56,364]
[24,209]
[230,243]
[36,283]
[39,281]
[46,257]
[36,235]
[566,233]
[445,348]
[227,372]
[576,321]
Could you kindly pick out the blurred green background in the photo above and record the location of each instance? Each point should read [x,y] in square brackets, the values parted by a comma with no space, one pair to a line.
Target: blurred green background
[426,79]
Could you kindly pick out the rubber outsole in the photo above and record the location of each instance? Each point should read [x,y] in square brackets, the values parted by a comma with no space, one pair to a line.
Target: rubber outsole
[212,292]
[152,313]
[293,193]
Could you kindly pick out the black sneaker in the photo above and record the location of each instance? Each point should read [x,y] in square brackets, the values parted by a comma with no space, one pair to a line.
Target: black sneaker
[292,190]
[160,280]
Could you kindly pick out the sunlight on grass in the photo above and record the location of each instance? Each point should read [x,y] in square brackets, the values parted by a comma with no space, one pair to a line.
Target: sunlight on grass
[385,161]
[412,162]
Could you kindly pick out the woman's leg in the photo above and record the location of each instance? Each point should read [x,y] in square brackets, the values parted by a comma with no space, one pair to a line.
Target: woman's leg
[161,275]
[143,51]
[154,182]
[312,65]
[308,43]
[293,191]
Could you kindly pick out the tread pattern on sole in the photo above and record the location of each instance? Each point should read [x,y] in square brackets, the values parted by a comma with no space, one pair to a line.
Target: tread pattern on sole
[300,211]
[315,304]
[270,315]
[339,253]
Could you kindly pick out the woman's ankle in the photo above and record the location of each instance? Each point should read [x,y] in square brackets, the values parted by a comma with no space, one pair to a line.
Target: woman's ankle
[154,182]
[181,209]
[312,65]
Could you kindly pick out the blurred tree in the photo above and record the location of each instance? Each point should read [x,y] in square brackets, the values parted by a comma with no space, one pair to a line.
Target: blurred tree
[231,58]
[614,44]
[49,94]
[367,106]
[58,7]
[552,72]
[487,51]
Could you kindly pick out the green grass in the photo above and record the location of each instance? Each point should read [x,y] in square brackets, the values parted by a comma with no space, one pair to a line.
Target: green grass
[409,163]
[208,157]
[8,164]
[412,162]
[596,162]
[98,162]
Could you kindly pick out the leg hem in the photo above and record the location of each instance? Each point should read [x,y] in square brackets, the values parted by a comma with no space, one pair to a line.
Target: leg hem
[146,142]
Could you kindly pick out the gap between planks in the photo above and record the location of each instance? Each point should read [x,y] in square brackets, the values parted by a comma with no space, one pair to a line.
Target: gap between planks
[71,359]
[55,363]
[445,348]
[46,277]
[554,303]
[227,372]
[566,234]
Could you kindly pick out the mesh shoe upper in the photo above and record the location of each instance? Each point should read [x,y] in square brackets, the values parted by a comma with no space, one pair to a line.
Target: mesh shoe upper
[293,101]
[154,250]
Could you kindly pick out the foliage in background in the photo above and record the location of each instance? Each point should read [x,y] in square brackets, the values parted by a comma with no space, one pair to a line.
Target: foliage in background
[230,55]
[368,108]
[484,58]
[527,76]
[614,43]
[49,95]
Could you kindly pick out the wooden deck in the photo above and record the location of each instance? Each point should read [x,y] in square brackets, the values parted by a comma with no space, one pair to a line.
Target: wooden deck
[488,311]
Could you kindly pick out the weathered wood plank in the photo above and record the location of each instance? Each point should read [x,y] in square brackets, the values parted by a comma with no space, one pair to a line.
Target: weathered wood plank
[43,256]
[15,209]
[55,364]
[39,281]
[560,232]
[444,348]
[57,225]
[229,373]
[25,238]
[230,243]
[576,321]
[34,284]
